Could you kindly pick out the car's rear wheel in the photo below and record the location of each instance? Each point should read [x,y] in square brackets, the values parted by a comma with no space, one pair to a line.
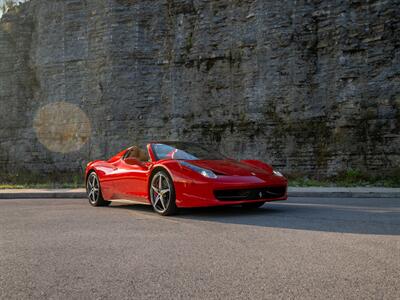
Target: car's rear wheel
[253,205]
[93,191]
[162,194]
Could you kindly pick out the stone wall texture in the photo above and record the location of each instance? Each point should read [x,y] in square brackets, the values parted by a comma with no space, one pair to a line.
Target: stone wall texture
[309,86]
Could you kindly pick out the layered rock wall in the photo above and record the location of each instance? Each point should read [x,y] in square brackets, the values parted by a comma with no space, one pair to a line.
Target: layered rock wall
[310,86]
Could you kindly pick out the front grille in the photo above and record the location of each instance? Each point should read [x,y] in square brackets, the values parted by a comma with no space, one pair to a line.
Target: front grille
[250,194]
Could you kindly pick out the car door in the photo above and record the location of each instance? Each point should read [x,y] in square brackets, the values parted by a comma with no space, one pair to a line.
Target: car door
[111,181]
[132,183]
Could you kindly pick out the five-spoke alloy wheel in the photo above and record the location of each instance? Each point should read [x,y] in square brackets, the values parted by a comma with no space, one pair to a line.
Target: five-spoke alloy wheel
[93,191]
[162,194]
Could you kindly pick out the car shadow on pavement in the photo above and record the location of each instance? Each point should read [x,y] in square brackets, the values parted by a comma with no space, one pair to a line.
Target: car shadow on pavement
[342,215]
[347,215]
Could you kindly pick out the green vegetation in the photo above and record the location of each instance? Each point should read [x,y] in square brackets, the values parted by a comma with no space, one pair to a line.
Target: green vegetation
[41,186]
[349,178]
[25,180]
[6,5]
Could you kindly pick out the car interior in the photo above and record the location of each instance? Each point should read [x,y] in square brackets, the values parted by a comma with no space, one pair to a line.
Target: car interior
[136,153]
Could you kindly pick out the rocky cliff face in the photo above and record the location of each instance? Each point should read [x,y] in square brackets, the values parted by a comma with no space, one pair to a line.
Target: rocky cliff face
[310,86]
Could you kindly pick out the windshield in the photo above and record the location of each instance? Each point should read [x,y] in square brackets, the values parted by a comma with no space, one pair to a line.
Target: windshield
[187,151]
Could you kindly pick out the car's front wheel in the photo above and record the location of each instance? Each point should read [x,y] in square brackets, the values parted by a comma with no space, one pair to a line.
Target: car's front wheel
[93,191]
[162,194]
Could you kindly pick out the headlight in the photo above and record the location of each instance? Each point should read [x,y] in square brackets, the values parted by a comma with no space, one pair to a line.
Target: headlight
[202,171]
[277,173]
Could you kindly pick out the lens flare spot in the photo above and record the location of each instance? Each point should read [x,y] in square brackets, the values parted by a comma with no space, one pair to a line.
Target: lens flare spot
[62,127]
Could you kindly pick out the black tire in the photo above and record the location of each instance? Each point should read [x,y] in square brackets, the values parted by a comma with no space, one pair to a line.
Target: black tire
[253,205]
[93,191]
[163,201]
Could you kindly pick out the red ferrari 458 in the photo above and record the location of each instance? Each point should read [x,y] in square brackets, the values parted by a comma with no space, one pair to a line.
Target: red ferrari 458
[169,175]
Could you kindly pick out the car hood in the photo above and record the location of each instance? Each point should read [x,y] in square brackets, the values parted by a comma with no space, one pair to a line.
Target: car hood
[230,168]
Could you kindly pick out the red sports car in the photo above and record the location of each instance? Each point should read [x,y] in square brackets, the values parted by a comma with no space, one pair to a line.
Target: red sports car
[169,175]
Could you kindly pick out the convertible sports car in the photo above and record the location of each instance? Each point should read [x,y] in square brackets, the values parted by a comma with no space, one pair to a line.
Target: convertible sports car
[169,175]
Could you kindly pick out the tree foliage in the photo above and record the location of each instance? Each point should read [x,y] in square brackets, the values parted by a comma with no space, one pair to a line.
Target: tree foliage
[7,5]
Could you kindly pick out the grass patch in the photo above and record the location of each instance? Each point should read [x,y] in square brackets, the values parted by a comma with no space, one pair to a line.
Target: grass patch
[28,180]
[53,185]
[348,178]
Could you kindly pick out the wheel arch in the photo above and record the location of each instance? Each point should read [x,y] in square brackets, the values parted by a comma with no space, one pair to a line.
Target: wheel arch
[90,171]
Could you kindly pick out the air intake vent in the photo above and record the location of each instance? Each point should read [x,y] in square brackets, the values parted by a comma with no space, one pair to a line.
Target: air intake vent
[251,194]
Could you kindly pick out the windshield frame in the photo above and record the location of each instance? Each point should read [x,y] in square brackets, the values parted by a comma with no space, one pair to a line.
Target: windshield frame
[173,144]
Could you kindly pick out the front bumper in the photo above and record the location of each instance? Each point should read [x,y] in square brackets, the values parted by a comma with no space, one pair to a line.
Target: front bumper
[201,193]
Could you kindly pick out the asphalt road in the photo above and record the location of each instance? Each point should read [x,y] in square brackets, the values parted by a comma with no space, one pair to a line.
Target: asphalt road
[303,248]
